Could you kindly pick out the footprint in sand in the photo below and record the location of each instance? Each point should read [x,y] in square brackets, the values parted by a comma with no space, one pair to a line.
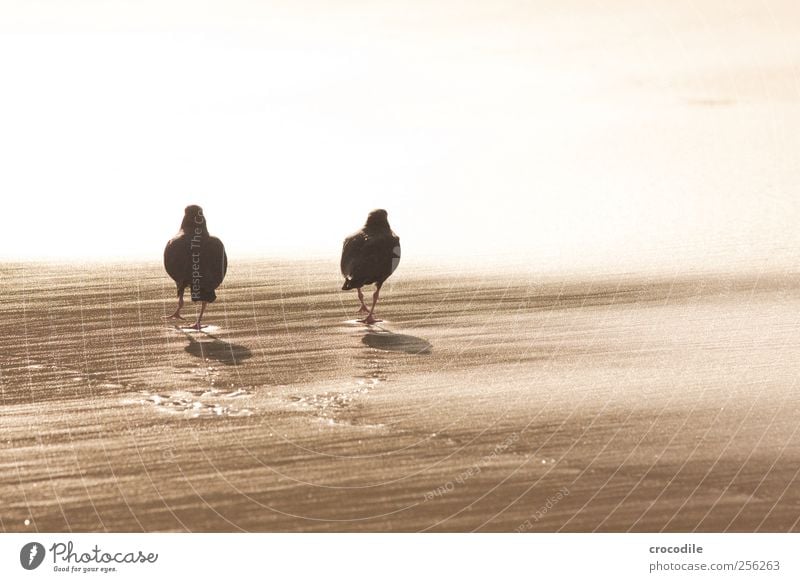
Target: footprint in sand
[199,403]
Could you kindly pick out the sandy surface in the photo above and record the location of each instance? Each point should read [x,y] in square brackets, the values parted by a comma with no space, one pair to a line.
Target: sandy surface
[481,403]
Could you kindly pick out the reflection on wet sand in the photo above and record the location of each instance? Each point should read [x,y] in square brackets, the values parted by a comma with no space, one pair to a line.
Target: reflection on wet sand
[657,403]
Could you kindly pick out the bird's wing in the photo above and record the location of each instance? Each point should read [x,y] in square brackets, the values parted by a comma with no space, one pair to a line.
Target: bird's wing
[214,262]
[375,259]
[395,252]
[351,251]
[176,259]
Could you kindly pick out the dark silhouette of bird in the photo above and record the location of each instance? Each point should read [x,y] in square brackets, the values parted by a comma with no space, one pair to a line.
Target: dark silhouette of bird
[370,256]
[197,260]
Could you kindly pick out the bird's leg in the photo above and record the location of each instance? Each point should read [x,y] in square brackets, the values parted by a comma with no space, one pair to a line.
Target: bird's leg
[363,308]
[370,319]
[177,314]
[197,325]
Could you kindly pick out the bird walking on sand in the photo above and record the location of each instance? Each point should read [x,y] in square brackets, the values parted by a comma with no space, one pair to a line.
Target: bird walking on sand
[370,256]
[195,259]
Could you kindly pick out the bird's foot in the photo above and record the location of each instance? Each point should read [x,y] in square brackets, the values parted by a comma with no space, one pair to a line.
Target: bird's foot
[175,315]
[196,326]
[370,320]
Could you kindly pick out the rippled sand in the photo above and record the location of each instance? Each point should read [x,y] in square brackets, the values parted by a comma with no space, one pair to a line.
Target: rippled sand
[502,402]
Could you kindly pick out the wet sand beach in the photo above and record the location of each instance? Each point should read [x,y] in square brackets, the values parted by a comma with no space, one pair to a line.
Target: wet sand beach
[499,402]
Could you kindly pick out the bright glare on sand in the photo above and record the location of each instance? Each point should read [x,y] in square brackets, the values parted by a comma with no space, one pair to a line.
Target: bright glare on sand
[567,134]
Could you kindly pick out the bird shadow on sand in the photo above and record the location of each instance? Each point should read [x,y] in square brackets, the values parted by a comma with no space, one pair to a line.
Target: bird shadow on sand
[217,350]
[396,342]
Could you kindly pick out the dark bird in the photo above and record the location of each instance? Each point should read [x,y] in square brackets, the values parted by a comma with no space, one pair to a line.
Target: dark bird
[195,259]
[370,256]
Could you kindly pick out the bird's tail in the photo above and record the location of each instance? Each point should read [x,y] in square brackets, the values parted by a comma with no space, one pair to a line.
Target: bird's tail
[348,284]
[206,295]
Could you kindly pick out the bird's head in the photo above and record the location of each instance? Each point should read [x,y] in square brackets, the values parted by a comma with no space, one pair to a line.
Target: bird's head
[193,218]
[378,218]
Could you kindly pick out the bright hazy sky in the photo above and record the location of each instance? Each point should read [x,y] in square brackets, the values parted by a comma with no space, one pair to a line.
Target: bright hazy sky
[558,133]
